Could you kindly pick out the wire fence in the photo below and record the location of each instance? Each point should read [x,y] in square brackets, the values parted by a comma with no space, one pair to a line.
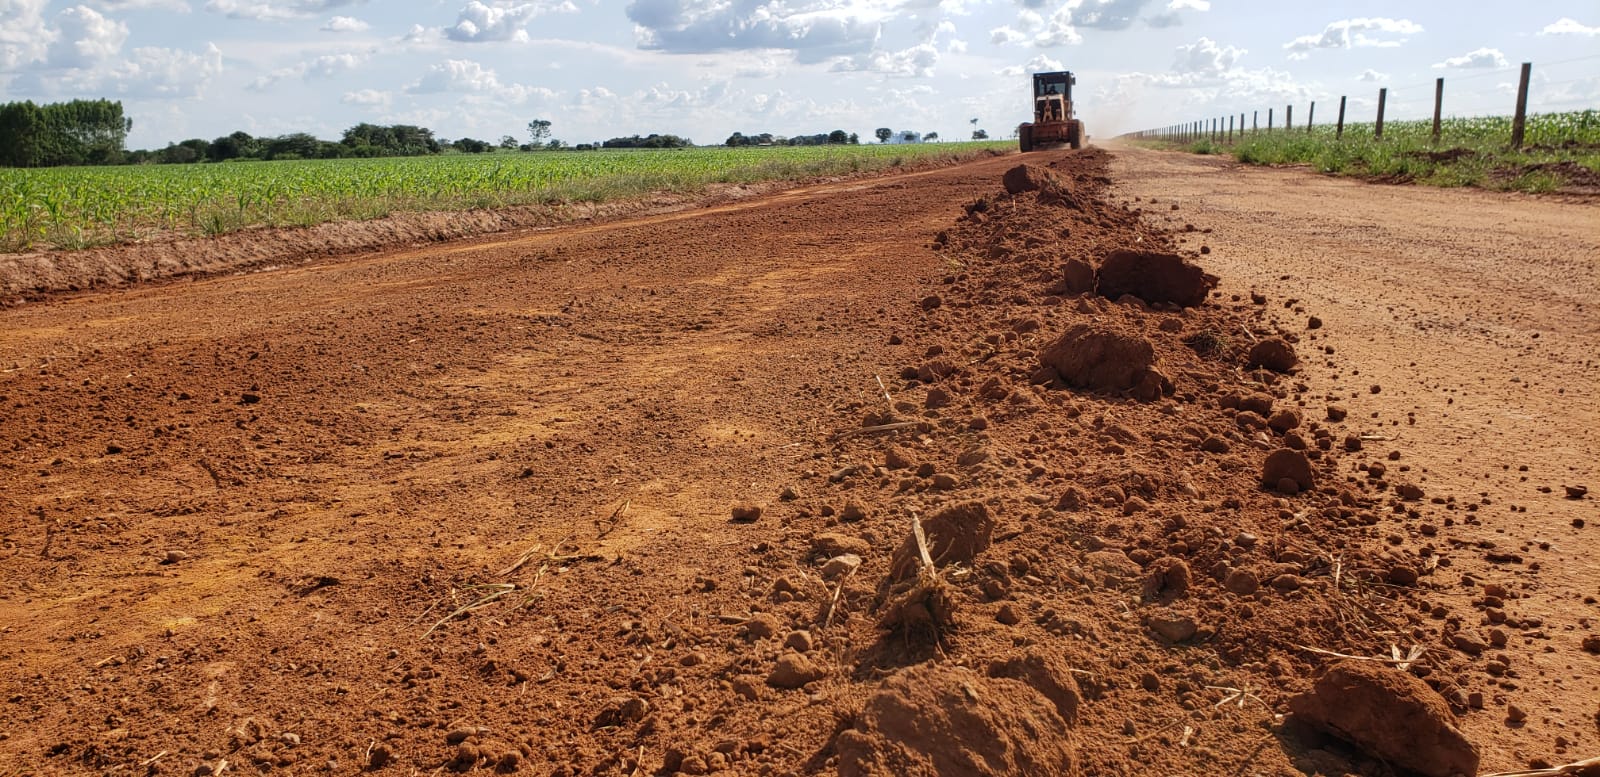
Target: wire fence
[1235,127]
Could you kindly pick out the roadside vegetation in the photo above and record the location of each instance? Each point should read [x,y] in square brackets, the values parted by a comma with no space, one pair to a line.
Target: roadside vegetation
[79,207]
[1560,151]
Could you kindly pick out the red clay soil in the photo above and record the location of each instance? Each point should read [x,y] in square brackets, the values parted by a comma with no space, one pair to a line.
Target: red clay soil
[645,497]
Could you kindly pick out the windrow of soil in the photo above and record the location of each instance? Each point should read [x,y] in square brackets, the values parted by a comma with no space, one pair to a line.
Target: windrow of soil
[1137,517]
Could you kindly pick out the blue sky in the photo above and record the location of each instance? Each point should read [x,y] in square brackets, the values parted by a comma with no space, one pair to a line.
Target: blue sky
[602,68]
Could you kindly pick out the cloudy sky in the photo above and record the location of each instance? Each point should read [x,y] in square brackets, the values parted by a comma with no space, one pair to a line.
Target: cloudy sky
[601,68]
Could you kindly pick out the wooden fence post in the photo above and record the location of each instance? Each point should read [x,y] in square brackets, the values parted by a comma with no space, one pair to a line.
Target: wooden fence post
[1438,103]
[1338,132]
[1255,121]
[1383,96]
[1520,122]
[1269,120]
[1311,116]
[1288,118]
[1230,129]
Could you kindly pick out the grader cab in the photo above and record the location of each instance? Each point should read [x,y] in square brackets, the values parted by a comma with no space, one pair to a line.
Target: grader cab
[1053,123]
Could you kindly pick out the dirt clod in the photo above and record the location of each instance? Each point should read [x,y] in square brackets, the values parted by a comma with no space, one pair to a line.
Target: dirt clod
[1287,464]
[1389,714]
[794,670]
[1154,277]
[1096,358]
[937,719]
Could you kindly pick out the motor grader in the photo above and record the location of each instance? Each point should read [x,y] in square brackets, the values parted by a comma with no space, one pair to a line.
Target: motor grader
[1053,124]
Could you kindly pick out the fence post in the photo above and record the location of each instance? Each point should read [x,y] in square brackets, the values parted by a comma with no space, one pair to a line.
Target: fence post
[1383,96]
[1520,122]
[1288,118]
[1255,121]
[1230,129]
[1438,103]
[1241,125]
[1311,116]
[1269,121]
[1338,132]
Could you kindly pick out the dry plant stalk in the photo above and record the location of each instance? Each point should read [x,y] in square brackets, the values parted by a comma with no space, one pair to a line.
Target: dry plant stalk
[924,601]
[1588,767]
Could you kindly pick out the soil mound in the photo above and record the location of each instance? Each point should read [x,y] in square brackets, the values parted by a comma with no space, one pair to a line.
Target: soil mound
[1389,714]
[938,720]
[1098,358]
[1154,277]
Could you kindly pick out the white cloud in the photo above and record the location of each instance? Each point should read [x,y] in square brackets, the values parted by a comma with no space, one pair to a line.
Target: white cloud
[466,77]
[478,22]
[1372,76]
[1478,58]
[917,60]
[86,38]
[274,10]
[1566,26]
[1039,64]
[367,97]
[1205,57]
[814,29]
[24,36]
[345,24]
[1354,33]
[139,5]
[1189,5]
[167,73]
[324,66]
[1001,36]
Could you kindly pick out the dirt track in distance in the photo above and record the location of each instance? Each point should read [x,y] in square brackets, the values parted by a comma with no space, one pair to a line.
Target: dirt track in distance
[468,506]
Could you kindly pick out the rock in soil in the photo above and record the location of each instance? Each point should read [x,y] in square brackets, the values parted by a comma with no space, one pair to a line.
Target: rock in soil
[936,719]
[1389,714]
[1154,277]
[1274,354]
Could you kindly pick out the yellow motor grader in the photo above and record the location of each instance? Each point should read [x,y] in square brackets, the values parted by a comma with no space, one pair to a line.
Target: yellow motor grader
[1053,124]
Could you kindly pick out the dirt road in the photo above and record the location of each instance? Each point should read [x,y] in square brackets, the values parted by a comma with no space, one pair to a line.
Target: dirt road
[469,506]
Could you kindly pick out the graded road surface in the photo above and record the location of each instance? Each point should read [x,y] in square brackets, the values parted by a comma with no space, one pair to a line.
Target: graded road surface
[467,506]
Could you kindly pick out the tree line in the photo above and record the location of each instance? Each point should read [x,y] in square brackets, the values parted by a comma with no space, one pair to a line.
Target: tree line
[94,132]
[836,138]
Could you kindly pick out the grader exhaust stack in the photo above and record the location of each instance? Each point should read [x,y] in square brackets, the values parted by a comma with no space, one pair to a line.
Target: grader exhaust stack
[1053,123]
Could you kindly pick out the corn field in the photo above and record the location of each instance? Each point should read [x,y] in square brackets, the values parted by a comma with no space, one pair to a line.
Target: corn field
[77,207]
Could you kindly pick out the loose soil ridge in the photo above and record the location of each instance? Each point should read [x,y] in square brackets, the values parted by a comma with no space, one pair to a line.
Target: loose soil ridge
[291,552]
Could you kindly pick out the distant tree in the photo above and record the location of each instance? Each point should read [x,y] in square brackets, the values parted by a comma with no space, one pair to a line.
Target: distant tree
[883,134]
[395,140]
[555,144]
[508,143]
[838,137]
[472,145]
[931,137]
[980,134]
[70,133]
[855,140]
[736,139]
[235,146]
[538,130]
[650,141]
